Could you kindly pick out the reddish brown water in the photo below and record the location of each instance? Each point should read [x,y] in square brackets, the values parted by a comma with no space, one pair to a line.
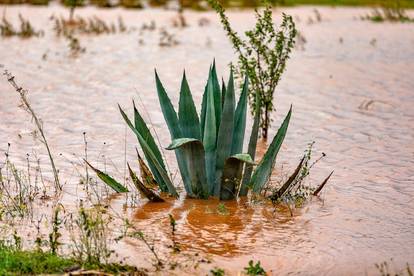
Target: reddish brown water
[352,91]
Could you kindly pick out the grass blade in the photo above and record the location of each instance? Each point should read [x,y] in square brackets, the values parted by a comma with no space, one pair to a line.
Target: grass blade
[240,120]
[264,169]
[187,113]
[150,195]
[225,134]
[195,158]
[115,185]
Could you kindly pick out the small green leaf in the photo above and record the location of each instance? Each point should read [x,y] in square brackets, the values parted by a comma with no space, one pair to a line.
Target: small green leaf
[176,143]
[244,157]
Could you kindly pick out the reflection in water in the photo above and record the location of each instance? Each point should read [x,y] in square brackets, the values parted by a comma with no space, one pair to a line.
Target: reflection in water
[207,226]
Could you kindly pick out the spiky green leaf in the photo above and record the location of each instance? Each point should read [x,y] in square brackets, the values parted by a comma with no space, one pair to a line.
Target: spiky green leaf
[225,134]
[264,169]
[108,180]
[251,148]
[223,91]
[240,120]
[187,113]
[162,172]
[204,106]
[143,129]
[173,124]
[217,94]
[210,136]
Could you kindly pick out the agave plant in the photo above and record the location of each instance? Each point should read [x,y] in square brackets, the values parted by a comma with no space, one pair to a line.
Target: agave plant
[209,147]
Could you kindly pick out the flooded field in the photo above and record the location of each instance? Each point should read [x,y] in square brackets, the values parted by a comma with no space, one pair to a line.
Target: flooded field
[352,89]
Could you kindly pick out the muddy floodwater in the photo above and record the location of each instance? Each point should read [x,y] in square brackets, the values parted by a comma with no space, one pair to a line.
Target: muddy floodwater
[352,89]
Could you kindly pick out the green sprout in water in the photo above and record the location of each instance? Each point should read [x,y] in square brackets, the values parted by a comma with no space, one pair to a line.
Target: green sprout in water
[254,269]
[217,272]
[222,209]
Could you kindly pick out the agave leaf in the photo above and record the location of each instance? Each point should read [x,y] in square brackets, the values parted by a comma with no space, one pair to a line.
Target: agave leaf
[225,134]
[143,189]
[115,185]
[244,157]
[168,111]
[232,174]
[264,169]
[143,129]
[217,95]
[195,158]
[275,196]
[240,120]
[163,173]
[319,189]
[251,148]
[223,91]
[187,113]
[210,136]
[204,105]
[173,124]
[146,174]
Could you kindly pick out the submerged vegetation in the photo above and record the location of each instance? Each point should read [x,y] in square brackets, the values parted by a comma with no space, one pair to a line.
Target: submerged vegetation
[391,11]
[81,25]
[25,29]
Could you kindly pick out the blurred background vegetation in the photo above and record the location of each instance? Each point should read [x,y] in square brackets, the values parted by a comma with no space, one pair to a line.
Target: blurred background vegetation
[198,4]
